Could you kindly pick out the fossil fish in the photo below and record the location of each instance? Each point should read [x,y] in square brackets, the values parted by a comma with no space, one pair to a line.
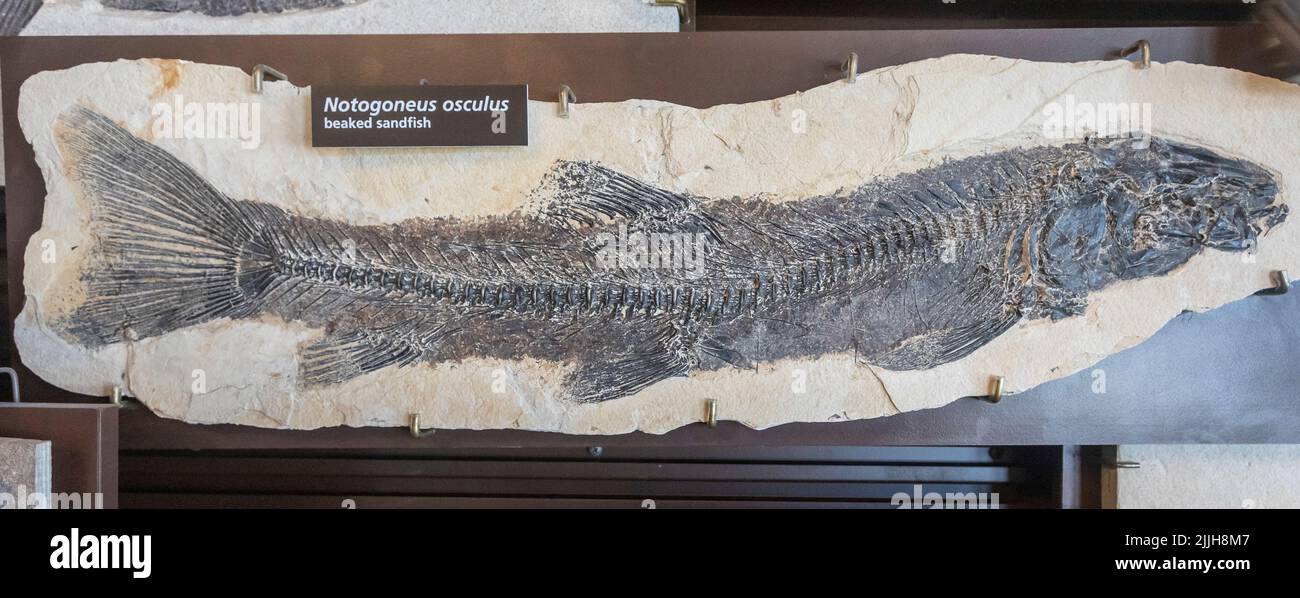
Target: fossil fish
[908,272]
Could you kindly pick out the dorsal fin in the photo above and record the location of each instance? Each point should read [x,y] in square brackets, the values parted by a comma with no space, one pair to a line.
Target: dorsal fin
[586,194]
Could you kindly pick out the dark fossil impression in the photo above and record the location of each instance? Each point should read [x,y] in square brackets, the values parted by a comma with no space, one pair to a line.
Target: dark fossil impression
[908,272]
[15,14]
[224,8]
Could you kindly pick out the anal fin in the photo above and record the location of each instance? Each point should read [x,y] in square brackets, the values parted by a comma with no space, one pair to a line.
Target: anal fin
[340,357]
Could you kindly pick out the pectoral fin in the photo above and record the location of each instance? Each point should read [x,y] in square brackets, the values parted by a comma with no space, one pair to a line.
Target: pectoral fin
[937,347]
[950,321]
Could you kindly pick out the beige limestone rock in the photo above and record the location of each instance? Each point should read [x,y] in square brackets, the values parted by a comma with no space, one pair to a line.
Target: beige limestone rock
[25,473]
[839,135]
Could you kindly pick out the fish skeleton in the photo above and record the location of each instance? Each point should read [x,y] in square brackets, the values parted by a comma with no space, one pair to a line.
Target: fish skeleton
[627,284]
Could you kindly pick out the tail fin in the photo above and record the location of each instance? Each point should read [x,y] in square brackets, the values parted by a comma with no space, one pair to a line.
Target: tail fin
[170,250]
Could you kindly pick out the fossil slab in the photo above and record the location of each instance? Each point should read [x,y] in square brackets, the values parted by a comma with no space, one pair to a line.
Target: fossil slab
[325,17]
[25,469]
[852,251]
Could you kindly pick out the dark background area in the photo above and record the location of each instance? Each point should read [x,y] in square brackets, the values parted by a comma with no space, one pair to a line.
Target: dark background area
[720,15]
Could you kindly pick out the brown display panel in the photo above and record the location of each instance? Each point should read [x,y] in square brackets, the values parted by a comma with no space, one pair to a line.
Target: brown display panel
[695,69]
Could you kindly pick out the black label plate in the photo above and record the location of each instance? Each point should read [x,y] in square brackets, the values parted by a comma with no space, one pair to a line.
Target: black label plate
[419,116]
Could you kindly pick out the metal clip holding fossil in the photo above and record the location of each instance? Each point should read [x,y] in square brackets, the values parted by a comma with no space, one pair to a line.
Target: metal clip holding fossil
[1281,284]
[261,72]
